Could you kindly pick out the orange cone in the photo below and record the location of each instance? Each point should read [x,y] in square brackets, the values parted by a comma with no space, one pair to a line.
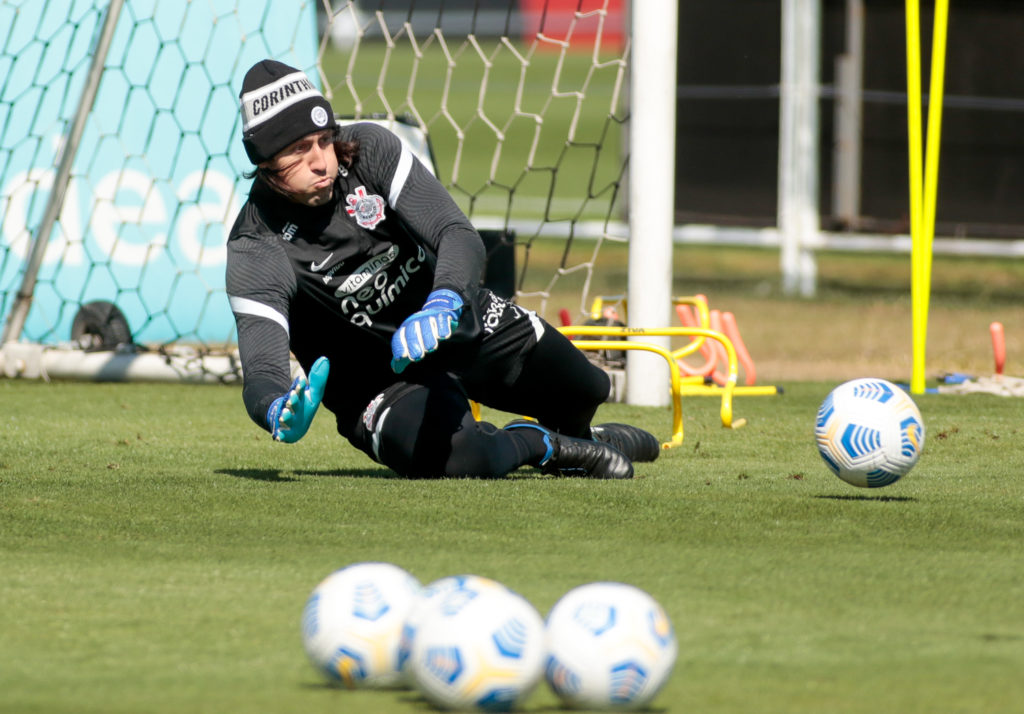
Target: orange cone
[998,345]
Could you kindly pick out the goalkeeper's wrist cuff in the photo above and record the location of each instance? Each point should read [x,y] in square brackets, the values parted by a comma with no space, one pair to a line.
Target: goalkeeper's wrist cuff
[443,299]
[274,412]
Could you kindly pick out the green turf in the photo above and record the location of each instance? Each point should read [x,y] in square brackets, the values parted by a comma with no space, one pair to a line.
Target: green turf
[156,550]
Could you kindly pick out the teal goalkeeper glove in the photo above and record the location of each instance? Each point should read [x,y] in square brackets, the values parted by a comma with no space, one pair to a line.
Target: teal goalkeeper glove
[289,416]
[422,332]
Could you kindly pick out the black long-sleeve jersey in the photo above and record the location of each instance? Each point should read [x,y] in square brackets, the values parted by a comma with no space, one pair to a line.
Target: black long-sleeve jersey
[337,280]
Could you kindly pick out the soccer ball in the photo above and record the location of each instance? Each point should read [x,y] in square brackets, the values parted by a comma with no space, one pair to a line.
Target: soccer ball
[476,645]
[352,624]
[432,596]
[610,646]
[869,432]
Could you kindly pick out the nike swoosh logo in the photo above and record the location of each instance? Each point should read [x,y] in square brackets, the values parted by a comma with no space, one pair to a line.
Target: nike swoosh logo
[317,267]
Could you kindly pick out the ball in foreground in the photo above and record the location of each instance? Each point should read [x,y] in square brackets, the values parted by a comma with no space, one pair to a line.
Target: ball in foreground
[610,646]
[869,432]
[477,646]
[430,597]
[352,623]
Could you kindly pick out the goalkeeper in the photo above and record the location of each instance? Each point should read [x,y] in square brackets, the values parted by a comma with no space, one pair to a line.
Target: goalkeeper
[350,255]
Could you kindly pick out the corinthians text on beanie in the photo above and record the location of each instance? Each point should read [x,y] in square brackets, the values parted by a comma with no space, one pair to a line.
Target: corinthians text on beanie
[279,105]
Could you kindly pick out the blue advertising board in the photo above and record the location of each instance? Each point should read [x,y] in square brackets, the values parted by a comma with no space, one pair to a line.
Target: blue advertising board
[158,177]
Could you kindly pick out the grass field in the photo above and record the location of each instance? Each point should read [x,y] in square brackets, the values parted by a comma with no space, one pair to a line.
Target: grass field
[157,549]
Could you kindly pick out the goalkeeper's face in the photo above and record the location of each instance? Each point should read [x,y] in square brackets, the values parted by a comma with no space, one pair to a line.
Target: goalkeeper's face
[305,170]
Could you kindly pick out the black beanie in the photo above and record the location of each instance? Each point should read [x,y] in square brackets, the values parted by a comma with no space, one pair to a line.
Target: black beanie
[279,106]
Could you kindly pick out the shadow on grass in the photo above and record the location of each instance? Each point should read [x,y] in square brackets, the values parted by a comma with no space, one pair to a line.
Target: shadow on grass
[382,472]
[413,698]
[863,497]
[373,472]
[278,476]
[270,475]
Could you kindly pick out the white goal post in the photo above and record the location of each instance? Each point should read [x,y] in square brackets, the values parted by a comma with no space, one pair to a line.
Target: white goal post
[651,193]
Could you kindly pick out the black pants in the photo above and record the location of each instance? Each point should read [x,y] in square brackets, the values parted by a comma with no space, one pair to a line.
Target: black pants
[426,428]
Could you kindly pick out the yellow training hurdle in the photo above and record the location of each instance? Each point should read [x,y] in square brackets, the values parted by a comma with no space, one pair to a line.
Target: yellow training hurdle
[683,382]
[677,381]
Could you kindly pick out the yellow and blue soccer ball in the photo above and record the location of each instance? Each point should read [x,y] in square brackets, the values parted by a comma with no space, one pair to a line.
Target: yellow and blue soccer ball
[610,645]
[431,596]
[474,644]
[352,624]
[869,432]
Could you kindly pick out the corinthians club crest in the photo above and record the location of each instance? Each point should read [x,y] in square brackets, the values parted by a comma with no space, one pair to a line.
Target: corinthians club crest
[368,210]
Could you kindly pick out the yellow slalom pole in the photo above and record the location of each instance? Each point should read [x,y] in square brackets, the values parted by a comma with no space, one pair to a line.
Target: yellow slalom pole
[913,21]
[923,192]
[931,171]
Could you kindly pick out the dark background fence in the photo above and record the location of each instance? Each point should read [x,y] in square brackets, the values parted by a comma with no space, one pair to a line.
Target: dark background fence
[728,115]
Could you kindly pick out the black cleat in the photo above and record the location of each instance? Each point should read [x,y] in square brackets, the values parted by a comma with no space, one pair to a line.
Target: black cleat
[634,442]
[568,456]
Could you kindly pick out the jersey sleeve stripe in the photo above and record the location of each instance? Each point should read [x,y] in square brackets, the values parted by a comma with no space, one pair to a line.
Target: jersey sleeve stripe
[401,175]
[538,326]
[245,306]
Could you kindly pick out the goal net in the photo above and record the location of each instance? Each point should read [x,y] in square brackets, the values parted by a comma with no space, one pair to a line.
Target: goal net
[121,164]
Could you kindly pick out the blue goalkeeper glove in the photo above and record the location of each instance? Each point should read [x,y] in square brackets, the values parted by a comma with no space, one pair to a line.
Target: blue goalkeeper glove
[422,332]
[289,416]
